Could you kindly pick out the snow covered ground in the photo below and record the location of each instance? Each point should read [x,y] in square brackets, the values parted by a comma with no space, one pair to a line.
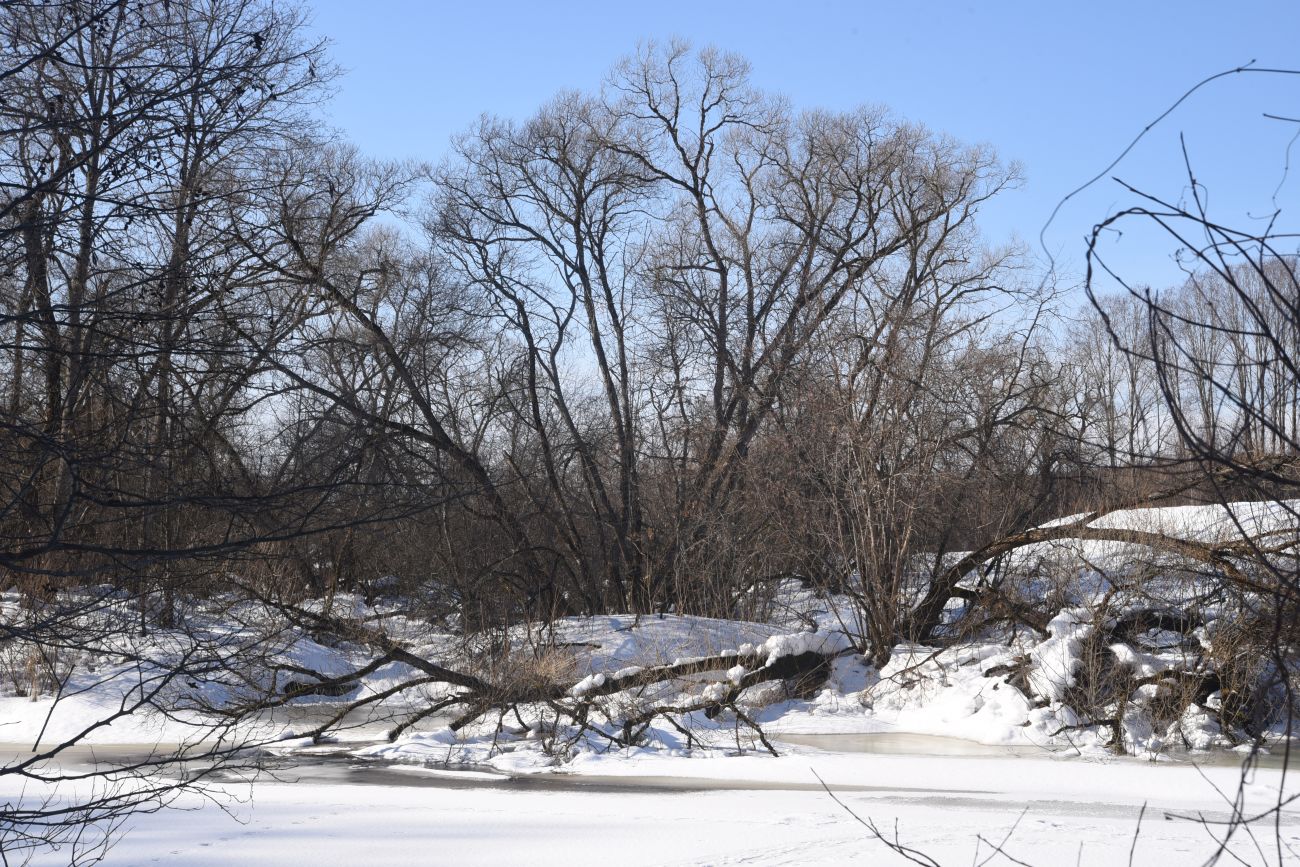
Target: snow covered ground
[701,788]
[398,803]
[723,810]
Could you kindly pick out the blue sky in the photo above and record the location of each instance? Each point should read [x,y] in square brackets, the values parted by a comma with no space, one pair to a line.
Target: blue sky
[1060,88]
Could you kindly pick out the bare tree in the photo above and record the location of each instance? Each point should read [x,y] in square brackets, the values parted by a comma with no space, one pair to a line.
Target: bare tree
[135,340]
[1222,347]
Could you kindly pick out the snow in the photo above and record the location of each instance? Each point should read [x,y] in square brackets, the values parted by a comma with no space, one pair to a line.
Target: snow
[618,641]
[1208,523]
[1055,661]
[587,684]
[656,810]
[923,693]
[804,642]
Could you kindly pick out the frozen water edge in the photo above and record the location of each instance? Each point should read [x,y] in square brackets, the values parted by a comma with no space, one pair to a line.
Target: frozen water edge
[710,810]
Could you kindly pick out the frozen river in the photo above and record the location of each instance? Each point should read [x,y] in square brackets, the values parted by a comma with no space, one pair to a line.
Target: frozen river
[944,797]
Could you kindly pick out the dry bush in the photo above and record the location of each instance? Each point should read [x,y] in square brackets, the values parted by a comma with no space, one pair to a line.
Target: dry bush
[15,666]
[520,672]
[1241,656]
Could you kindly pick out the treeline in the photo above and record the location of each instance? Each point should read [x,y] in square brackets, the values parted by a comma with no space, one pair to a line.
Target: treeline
[648,350]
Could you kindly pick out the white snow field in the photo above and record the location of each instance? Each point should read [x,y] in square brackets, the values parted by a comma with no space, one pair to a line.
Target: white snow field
[725,810]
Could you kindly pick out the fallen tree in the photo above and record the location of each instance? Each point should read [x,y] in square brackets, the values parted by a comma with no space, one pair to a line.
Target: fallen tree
[616,705]
[1232,559]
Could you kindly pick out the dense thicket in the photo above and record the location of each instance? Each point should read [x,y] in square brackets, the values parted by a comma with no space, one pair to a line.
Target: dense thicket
[646,350]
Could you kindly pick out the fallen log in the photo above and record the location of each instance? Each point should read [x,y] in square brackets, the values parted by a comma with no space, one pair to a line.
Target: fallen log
[802,661]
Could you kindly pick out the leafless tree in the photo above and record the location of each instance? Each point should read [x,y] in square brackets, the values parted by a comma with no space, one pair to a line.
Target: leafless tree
[1222,347]
[134,352]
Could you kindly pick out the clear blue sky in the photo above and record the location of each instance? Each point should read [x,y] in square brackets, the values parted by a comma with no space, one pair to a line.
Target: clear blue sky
[1059,87]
